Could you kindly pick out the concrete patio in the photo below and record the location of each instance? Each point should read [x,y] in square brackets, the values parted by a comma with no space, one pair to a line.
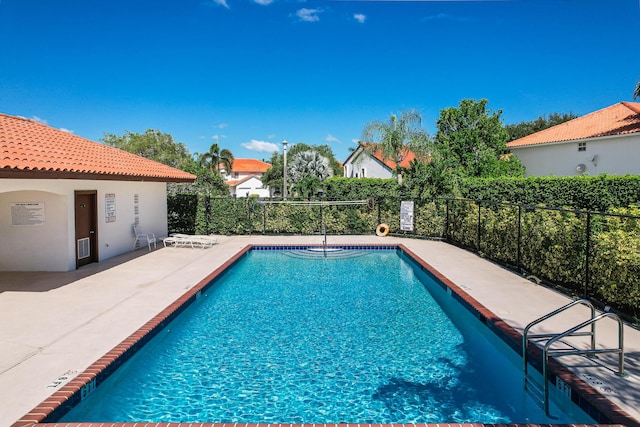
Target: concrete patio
[54,325]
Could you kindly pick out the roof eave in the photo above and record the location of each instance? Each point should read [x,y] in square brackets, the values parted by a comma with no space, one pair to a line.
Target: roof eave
[568,141]
[46,174]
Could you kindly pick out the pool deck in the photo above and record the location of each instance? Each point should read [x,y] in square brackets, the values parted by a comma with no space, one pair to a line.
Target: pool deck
[54,325]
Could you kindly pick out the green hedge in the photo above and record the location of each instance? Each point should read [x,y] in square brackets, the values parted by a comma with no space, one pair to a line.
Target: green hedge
[615,262]
[595,193]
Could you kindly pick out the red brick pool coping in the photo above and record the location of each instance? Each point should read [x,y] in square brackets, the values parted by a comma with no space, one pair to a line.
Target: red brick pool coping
[583,395]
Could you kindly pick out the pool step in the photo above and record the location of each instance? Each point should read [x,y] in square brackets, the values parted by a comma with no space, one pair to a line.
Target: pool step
[325,253]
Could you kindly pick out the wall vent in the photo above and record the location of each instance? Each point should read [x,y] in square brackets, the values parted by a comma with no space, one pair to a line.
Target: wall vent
[84,250]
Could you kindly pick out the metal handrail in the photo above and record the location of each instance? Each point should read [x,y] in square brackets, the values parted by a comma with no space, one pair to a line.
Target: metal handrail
[546,352]
[526,336]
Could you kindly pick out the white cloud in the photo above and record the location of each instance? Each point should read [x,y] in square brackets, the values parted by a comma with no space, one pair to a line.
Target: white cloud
[222,125]
[66,130]
[355,140]
[263,2]
[360,17]
[260,146]
[271,136]
[331,138]
[221,3]
[39,120]
[308,15]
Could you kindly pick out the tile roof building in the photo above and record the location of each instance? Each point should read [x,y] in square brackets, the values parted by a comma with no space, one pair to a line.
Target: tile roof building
[29,149]
[66,201]
[244,178]
[605,141]
[362,164]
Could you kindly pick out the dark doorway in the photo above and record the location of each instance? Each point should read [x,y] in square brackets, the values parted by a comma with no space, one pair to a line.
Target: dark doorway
[86,227]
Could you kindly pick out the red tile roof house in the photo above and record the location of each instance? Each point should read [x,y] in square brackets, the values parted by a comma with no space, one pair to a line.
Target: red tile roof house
[361,164]
[605,141]
[244,178]
[66,201]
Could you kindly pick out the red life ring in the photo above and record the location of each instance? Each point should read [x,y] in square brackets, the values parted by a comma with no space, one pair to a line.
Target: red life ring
[382,230]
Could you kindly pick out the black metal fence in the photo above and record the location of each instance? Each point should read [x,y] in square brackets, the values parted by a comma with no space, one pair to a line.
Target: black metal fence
[589,254]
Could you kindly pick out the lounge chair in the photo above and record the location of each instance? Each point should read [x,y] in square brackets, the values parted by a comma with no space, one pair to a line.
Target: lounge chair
[193,240]
[140,236]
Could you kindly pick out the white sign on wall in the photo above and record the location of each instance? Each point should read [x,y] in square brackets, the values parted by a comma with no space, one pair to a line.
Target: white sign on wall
[110,207]
[27,213]
[406,216]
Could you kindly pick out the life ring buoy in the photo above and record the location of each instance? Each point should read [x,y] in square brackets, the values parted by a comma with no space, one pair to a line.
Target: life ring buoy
[382,230]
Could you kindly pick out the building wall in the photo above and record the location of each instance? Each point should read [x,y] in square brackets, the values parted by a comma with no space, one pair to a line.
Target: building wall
[372,168]
[51,246]
[616,155]
[251,187]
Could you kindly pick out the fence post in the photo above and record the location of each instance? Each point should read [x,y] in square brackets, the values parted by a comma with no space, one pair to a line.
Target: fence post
[446,219]
[478,244]
[264,219]
[207,213]
[519,243]
[587,257]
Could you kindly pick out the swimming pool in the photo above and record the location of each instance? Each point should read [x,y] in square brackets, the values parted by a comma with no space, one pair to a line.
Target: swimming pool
[367,345]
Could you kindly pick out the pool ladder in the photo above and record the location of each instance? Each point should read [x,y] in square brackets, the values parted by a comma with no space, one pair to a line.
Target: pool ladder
[547,351]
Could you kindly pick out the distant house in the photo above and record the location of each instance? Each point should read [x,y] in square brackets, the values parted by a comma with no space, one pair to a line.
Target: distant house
[66,201]
[605,141]
[362,164]
[244,179]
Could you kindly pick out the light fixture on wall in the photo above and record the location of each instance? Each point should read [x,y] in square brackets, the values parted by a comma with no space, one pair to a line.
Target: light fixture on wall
[595,159]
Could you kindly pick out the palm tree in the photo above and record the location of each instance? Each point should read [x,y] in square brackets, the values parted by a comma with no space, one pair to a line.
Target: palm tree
[308,163]
[636,93]
[393,139]
[214,158]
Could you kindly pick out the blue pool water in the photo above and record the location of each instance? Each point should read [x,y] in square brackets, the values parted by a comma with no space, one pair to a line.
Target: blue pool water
[281,339]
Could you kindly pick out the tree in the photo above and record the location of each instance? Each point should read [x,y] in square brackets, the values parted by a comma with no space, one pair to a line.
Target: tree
[432,179]
[308,163]
[274,177]
[636,93]
[153,145]
[472,140]
[395,138]
[523,129]
[215,157]
[162,148]
[308,186]
[208,181]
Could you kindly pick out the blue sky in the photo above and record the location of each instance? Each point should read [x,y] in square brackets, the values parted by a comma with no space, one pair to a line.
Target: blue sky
[250,73]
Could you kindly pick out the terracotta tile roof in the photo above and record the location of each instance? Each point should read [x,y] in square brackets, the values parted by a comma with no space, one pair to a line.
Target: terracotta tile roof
[618,119]
[29,149]
[249,165]
[236,182]
[409,156]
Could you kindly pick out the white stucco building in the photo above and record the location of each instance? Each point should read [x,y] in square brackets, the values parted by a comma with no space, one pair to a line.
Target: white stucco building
[363,164]
[66,201]
[244,178]
[605,141]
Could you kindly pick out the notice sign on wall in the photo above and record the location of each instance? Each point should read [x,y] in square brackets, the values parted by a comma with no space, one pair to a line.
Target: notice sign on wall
[406,216]
[110,207]
[27,213]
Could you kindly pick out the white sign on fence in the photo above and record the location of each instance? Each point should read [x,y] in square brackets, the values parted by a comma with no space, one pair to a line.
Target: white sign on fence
[406,216]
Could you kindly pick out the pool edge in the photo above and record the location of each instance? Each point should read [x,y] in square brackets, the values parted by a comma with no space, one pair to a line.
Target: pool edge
[583,395]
